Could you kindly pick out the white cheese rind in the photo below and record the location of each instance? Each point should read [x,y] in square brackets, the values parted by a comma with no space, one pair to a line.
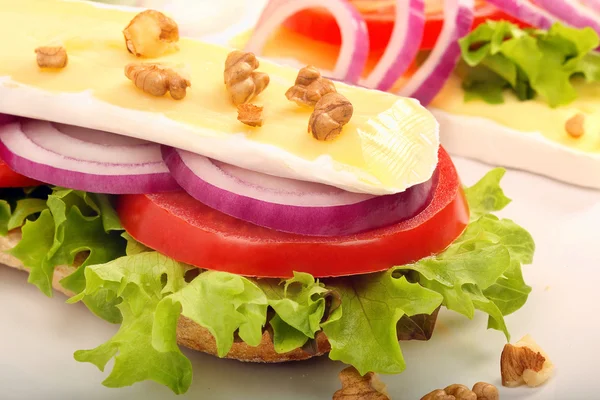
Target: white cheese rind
[83,109]
[488,141]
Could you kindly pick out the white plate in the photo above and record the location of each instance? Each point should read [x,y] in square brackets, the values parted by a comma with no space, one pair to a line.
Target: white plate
[39,335]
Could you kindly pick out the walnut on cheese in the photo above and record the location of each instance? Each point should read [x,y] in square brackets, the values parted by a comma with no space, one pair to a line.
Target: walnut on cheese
[332,112]
[51,57]
[157,80]
[242,81]
[524,363]
[250,114]
[309,87]
[151,34]
[357,387]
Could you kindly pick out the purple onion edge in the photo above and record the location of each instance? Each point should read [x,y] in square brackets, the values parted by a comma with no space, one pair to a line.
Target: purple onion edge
[95,183]
[310,221]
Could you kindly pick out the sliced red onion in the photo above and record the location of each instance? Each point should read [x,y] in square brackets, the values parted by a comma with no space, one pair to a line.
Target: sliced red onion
[435,71]
[571,12]
[403,46]
[355,39]
[525,11]
[288,205]
[5,119]
[84,159]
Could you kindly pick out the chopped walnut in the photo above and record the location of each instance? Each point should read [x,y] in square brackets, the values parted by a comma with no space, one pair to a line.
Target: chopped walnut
[575,125]
[51,57]
[524,363]
[151,34]
[309,87]
[438,394]
[486,391]
[250,114]
[452,392]
[357,387]
[157,80]
[480,391]
[331,113]
[242,82]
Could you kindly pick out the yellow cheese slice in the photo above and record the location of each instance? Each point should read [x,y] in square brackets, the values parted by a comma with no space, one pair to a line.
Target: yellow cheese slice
[530,117]
[389,145]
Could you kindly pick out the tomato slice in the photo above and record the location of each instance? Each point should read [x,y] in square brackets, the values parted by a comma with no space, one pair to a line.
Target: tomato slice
[11,179]
[182,228]
[318,24]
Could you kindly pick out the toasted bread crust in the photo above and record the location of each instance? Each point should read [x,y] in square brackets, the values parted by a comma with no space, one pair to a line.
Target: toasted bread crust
[189,334]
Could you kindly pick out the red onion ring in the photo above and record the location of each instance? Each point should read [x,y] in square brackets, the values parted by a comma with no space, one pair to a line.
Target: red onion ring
[84,159]
[403,46]
[287,205]
[5,118]
[355,39]
[571,12]
[525,11]
[435,71]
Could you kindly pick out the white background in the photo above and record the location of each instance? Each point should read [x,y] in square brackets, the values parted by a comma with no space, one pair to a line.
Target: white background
[39,335]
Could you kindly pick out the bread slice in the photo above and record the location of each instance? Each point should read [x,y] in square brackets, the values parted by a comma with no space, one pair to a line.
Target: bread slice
[189,334]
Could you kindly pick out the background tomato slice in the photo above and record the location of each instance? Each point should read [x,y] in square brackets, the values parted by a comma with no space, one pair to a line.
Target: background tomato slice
[10,179]
[182,228]
[319,25]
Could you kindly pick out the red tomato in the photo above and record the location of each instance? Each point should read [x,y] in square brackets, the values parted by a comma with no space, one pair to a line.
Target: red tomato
[379,15]
[182,228]
[10,179]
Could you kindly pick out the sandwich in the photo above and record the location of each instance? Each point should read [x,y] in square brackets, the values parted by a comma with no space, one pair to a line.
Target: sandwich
[512,83]
[200,197]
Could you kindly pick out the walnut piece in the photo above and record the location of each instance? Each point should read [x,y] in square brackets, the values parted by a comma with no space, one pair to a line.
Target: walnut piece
[331,113]
[480,391]
[242,81]
[357,387]
[51,57]
[156,79]
[486,391]
[575,125]
[309,87]
[524,363]
[151,34]
[250,114]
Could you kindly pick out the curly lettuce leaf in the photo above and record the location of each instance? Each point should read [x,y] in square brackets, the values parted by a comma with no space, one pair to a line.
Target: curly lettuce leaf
[24,209]
[71,223]
[285,337]
[301,304]
[530,62]
[362,316]
[365,335]
[5,214]
[481,270]
[224,304]
[140,282]
[17,205]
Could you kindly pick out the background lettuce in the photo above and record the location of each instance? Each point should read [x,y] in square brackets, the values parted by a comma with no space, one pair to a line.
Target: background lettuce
[530,62]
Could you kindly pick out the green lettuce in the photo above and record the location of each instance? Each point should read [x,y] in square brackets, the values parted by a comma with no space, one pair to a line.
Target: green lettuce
[529,62]
[140,281]
[301,306]
[363,316]
[18,205]
[365,336]
[70,223]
